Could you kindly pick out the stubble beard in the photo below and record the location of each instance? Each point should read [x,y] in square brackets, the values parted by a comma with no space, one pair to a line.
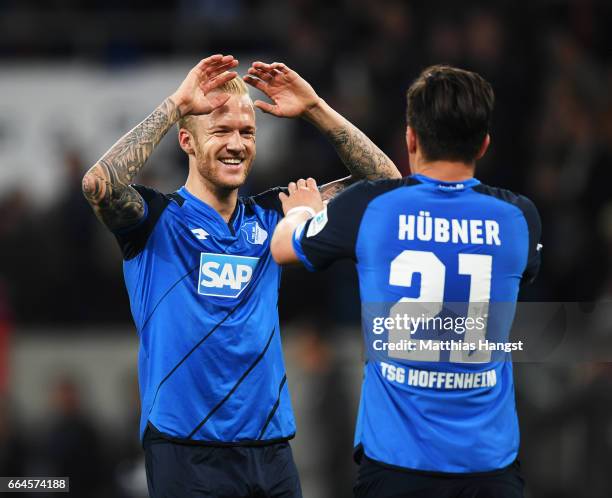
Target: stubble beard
[212,175]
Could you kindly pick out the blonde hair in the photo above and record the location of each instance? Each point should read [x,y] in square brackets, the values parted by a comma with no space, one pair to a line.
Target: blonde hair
[235,86]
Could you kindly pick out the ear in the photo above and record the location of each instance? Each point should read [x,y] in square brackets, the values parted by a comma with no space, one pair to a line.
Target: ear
[411,140]
[186,140]
[483,147]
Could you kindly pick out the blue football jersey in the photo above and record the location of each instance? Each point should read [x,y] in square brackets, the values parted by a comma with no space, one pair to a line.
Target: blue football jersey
[204,296]
[449,253]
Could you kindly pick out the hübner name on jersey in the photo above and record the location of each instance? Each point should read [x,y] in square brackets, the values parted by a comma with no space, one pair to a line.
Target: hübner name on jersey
[438,380]
[453,230]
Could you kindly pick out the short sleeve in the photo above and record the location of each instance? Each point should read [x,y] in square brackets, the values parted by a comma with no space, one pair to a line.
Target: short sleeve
[133,239]
[534,225]
[332,233]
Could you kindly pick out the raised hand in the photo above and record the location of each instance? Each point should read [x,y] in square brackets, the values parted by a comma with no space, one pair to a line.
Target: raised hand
[291,95]
[195,94]
[302,195]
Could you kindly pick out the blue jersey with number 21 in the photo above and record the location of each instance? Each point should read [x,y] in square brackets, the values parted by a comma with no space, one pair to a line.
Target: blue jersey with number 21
[428,249]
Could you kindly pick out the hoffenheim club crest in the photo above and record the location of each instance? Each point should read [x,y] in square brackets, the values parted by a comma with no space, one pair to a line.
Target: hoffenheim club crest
[254,233]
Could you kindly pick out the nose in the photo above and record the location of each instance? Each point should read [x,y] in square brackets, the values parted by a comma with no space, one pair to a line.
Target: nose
[234,142]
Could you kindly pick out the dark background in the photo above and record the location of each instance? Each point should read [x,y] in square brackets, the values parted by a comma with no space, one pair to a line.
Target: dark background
[550,64]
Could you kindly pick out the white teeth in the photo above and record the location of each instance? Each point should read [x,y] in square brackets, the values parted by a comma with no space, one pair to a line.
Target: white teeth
[231,161]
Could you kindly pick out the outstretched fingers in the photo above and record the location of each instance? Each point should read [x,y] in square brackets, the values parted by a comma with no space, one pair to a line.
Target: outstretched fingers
[217,81]
[262,74]
[214,60]
[274,70]
[215,65]
[209,60]
[267,107]
[256,83]
[280,67]
[216,70]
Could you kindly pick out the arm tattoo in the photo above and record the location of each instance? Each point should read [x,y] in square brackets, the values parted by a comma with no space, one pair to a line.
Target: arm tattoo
[106,184]
[360,155]
[330,190]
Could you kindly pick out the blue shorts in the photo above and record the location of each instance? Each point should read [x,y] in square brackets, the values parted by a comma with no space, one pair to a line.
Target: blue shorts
[176,470]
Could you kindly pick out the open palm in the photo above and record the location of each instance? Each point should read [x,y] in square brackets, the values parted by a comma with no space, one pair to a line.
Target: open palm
[195,94]
[290,93]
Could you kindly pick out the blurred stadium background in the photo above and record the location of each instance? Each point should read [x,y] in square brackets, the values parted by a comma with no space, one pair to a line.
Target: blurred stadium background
[76,75]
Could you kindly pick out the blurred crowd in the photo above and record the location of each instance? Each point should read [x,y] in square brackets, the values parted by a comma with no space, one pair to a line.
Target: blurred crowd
[552,129]
[549,63]
[68,442]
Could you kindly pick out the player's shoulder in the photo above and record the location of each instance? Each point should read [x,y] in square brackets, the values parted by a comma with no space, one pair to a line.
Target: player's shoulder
[370,189]
[268,200]
[385,184]
[133,239]
[522,202]
[157,203]
[150,194]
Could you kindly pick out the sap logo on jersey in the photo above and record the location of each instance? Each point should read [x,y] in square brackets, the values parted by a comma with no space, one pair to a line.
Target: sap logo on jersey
[223,275]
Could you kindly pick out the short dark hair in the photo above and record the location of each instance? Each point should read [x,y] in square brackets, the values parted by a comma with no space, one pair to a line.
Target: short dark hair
[450,109]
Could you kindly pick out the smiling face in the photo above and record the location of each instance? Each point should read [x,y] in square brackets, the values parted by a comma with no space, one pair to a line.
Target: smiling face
[223,143]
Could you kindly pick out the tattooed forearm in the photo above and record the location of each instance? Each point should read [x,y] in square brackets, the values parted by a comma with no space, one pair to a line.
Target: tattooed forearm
[332,189]
[129,154]
[360,155]
[106,184]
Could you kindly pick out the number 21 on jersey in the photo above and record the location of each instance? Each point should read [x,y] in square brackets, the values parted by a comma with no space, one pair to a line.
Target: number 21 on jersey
[433,279]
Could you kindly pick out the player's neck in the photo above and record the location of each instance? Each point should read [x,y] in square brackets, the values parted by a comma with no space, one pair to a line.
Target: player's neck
[221,200]
[446,171]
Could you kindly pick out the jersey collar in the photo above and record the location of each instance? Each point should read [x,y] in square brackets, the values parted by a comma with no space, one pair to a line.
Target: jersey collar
[207,209]
[471,182]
